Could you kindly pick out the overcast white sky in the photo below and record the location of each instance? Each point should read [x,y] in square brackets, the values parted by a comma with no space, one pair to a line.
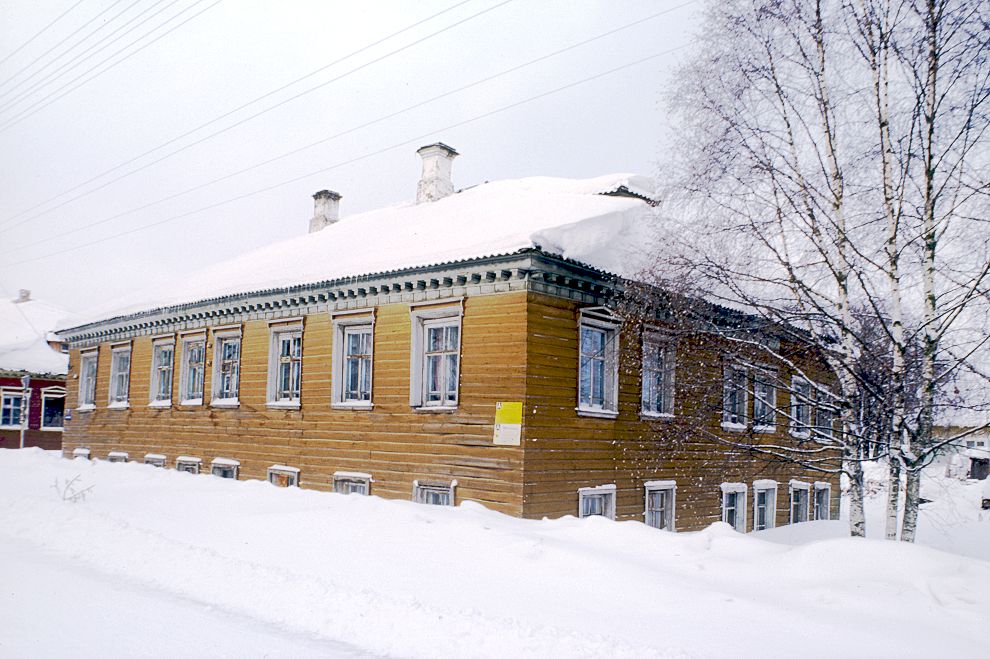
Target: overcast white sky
[238,50]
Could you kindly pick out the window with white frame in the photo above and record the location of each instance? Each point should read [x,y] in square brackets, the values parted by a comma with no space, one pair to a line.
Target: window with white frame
[734,505]
[120,375]
[225,468]
[162,358]
[800,406]
[52,408]
[353,343]
[735,397]
[435,367]
[11,408]
[154,459]
[594,501]
[658,376]
[117,456]
[660,504]
[436,494]
[799,501]
[80,452]
[764,400]
[226,367]
[285,366]
[352,482]
[823,500]
[192,374]
[764,504]
[188,464]
[824,414]
[283,476]
[87,379]
[598,363]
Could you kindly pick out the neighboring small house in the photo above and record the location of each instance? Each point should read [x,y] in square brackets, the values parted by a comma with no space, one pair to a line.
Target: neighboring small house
[28,348]
[463,347]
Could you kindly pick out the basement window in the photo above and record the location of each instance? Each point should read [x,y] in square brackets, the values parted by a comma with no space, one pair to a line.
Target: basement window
[597,501]
[81,452]
[117,456]
[283,476]
[188,464]
[734,505]
[434,494]
[225,468]
[352,482]
[823,500]
[799,501]
[154,459]
[764,504]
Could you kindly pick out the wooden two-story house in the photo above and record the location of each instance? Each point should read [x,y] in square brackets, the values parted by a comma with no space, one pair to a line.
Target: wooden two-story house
[468,346]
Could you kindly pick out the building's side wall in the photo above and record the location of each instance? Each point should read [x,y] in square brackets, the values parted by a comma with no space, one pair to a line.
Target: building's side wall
[33,435]
[565,451]
[392,442]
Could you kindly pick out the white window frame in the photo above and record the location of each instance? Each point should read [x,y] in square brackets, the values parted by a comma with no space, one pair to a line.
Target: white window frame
[605,492]
[800,486]
[119,400]
[290,473]
[422,488]
[156,372]
[424,318]
[222,336]
[671,516]
[222,464]
[118,456]
[184,369]
[279,332]
[821,486]
[18,394]
[52,393]
[155,459]
[765,377]
[770,487]
[343,326]
[666,367]
[87,380]
[345,480]
[600,319]
[730,419]
[736,489]
[188,464]
[81,452]
[800,427]
[820,406]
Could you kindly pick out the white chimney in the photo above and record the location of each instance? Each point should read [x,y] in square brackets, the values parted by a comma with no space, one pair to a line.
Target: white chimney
[436,182]
[326,210]
[23,295]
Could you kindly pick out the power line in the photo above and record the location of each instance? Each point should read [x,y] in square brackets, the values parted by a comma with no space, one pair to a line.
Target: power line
[64,39]
[85,55]
[39,33]
[350,161]
[40,105]
[222,116]
[367,124]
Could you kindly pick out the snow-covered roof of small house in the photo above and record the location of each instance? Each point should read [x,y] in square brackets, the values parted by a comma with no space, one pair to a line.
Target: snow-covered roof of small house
[603,222]
[25,329]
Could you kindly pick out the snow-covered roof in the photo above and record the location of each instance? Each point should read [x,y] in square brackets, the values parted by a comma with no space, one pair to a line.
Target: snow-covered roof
[602,222]
[25,328]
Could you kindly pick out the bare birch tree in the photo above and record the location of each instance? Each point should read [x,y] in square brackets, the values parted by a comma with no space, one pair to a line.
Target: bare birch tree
[831,177]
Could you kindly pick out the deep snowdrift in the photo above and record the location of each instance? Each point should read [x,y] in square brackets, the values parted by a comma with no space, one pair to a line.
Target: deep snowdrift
[337,572]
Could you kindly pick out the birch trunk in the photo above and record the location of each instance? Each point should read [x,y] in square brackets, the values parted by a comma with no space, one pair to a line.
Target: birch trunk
[912,502]
[857,513]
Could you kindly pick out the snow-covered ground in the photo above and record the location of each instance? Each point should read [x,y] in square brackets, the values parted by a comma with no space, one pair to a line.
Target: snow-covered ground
[155,562]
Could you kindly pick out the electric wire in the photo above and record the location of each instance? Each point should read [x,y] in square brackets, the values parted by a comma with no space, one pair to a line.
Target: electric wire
[39,33]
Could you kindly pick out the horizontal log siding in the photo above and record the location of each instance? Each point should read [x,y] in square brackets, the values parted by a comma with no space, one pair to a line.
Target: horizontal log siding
[392,442]
[565,451]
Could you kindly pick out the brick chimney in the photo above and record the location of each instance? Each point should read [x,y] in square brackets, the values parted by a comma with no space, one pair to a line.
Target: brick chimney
[326,210]
[23,295]
[436,182]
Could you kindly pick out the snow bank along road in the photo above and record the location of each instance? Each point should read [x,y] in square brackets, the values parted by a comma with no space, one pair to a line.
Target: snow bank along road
[155,562]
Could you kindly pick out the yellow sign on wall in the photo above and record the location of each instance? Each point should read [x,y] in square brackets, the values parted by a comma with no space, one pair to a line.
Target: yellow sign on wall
[508,424]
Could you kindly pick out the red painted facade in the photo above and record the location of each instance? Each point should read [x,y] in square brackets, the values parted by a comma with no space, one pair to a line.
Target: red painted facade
[34,435]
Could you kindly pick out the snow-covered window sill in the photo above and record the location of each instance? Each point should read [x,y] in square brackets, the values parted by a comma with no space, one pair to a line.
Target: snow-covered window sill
[357,406]
[119,406]
[226,402]
[596,413]
[86,408]
[800,434]
[427,409]
[160,404]
[53,429]
[733,427]
[283,405]
[649,416]
[765,430]
[192,402]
